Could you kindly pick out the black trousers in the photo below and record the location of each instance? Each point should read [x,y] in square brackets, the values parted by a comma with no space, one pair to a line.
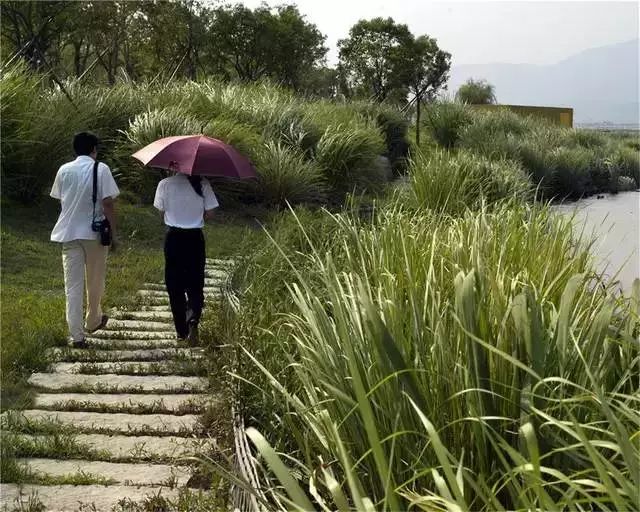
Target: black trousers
[184,257]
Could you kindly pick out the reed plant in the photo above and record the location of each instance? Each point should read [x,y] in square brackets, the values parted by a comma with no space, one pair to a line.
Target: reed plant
[452,184]
[449,363]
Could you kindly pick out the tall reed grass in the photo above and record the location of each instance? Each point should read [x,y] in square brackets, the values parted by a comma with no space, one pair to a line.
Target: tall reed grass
[472,362]
[562,162]
[340,139]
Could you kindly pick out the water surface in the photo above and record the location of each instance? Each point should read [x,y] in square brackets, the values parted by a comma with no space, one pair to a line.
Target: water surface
[614,222]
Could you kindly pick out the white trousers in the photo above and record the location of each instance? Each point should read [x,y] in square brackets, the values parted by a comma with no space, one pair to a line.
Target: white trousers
[78,257]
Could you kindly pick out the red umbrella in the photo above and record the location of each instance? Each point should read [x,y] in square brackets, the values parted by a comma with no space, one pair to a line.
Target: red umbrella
[196,154]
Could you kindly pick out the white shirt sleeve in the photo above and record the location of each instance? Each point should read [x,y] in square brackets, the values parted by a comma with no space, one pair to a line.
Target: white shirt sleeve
[56,193]
[210,199]
[107,183]
[158,201]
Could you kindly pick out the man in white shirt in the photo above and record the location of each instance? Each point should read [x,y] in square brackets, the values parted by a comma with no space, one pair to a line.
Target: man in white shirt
[81,247]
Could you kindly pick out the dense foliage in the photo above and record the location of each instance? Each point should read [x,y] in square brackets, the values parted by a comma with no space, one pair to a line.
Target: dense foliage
[304,151]
[476,92]
[441,356]
[158,39]
[563,162]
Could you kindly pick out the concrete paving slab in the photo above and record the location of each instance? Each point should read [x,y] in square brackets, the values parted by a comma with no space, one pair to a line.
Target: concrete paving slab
[76,498]
[110,383]
[165,403]
[127,424]
[121,473]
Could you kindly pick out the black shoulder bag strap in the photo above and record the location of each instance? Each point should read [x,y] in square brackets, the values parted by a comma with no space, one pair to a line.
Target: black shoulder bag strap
[95,189]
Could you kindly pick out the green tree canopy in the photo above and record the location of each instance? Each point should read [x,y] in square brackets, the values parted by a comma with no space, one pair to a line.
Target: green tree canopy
[373,59]
[476,92]
[149,38]
[427,73]
[252,44]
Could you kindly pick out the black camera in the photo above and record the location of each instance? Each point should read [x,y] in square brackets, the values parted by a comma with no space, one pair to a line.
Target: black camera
[104,228]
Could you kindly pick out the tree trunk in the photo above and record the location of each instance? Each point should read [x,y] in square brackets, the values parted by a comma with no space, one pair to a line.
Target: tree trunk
[418,101]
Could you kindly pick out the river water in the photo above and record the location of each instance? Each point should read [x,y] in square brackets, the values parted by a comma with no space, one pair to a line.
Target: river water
[614,222]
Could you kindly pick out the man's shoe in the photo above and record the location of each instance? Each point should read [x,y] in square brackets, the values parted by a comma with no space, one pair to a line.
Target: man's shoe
[193,338]
[78,344]
[101,325]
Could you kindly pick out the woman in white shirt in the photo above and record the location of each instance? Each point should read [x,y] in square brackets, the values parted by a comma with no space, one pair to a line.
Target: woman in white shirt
[185,201]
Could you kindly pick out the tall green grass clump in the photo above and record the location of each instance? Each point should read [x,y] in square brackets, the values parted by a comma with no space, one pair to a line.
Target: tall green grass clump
[394,127]
[627,161]
[287,177]
[347,157]
[453,184]
[446,121]
[468,363]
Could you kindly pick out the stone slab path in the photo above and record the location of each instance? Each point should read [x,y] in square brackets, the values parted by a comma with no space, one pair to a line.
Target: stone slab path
[130,402]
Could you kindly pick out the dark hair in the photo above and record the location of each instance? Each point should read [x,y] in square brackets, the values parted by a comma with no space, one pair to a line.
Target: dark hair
[84,143]
[196,183]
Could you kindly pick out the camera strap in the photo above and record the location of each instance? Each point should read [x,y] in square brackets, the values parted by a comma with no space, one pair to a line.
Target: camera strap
[95,188]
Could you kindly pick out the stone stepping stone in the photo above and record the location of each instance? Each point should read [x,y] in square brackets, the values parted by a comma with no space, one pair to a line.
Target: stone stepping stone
[127,424]
[137,325]
[169,367]
[153,354]
[121,473]
[68,498]
[223,262]
[123,334]
[116,448]
[115,344]
[123,402]
[110,383]
[209,292]
[157,307]
[209,282]
[156,316]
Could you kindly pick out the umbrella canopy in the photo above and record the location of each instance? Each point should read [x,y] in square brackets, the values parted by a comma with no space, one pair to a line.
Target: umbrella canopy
[196,155]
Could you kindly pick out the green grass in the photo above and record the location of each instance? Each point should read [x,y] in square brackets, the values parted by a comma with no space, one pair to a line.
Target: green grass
[472,361]
[33,301]
[561,162]
[339,140]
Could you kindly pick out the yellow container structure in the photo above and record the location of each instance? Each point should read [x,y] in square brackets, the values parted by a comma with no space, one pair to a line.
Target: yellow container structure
[558,115]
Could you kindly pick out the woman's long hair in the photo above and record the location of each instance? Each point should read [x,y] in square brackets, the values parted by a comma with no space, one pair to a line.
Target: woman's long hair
[196,183]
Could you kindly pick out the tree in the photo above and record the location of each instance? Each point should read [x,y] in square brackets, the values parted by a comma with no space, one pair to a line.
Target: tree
[427,73]
[476,92]
[374,57]
[33,31]
[321,82]
[259,43]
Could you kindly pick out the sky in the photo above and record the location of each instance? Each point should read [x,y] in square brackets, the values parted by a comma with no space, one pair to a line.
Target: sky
[481,32]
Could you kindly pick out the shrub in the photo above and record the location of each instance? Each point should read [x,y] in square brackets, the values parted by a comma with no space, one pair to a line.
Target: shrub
[627,162]
[476,92]
[446,120]
[347,157]
[490,130]
[394,127]
[589,139]
[453,184]
[285,176]
[569,174]
[143,130]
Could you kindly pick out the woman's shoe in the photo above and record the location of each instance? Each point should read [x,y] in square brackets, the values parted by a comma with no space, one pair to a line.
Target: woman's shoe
[193,338]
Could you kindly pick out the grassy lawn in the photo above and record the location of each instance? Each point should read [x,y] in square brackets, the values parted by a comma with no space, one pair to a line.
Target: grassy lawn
[32,286]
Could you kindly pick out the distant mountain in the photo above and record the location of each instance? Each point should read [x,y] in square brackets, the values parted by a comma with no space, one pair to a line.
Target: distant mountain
[601,84]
